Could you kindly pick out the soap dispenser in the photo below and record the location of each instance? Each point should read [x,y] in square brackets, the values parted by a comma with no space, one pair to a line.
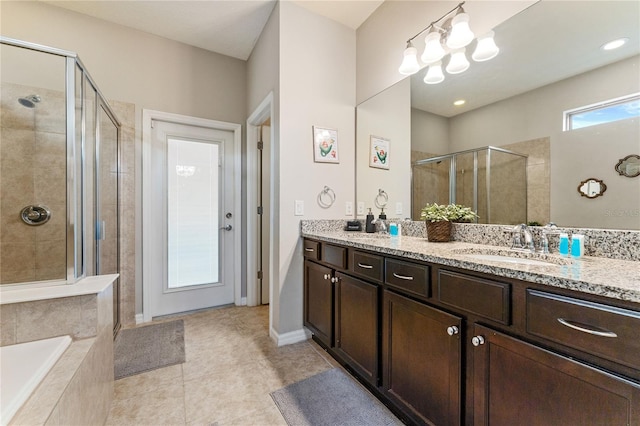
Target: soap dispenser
[369,225]
[382,215]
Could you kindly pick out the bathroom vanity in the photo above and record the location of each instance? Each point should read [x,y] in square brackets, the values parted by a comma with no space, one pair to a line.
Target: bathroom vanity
[446,334]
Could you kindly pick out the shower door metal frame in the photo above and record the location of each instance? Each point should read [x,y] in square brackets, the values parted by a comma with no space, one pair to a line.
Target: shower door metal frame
[453,178]
[75,167]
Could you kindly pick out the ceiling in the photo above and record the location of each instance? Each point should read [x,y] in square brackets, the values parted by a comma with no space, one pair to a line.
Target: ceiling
[548,42]
[229,27]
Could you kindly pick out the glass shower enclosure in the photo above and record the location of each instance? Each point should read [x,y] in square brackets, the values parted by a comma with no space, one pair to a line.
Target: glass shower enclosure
[59,167]
[490,180]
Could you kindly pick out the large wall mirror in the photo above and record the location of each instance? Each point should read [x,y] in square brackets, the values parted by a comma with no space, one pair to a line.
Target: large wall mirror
[550,62]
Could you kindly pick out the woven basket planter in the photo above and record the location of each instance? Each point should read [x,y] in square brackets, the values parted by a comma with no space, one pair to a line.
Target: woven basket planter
[439,232]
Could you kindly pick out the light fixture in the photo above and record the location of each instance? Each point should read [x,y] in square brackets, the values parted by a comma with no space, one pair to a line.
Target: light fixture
[486,48]
[459,102]
[434,74]
[450,38]
[410,61]
[614,44]
[458,62]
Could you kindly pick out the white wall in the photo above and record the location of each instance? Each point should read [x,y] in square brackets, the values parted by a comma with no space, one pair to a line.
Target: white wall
[382,38]
[387,116]
[429,132]
[576,155]
[317,88]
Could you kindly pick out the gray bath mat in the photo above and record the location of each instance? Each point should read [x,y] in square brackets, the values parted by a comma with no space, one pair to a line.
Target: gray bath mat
[146,348]
[331,398]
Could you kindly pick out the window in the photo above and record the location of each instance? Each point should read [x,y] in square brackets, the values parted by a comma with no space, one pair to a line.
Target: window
[603,112]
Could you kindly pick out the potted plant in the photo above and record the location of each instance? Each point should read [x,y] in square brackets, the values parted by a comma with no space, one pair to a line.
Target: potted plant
[439,219]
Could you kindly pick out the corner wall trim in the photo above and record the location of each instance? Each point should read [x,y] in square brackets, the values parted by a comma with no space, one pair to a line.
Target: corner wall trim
[139,319]
[289,338]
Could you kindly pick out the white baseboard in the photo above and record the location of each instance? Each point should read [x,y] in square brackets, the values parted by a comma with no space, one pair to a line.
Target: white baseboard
[243,301]
[291,337]
[139,319]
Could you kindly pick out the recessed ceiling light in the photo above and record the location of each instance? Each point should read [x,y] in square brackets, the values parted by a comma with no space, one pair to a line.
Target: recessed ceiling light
[459,102]
[614,44]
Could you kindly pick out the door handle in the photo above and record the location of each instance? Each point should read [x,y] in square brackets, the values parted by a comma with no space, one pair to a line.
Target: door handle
[227,228]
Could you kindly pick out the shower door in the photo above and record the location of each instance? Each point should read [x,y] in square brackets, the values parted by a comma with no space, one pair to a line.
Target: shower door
[190,218]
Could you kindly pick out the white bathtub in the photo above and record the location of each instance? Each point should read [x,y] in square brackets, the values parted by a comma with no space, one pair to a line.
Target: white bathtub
[22,367]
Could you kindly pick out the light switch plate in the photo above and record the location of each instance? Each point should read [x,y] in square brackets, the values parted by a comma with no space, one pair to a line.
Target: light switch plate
[299,208]
[360,207]
[398,207]
[348,208]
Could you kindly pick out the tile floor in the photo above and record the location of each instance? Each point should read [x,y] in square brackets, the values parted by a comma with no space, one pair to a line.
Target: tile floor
[231,367]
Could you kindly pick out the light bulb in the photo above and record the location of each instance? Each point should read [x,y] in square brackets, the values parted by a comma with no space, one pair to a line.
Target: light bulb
[433,50]
[486,48]
[461,35]
[434,74]
[410,62]
[458,62]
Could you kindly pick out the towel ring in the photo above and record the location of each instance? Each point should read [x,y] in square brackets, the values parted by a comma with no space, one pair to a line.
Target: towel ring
[326,197]
[381,199]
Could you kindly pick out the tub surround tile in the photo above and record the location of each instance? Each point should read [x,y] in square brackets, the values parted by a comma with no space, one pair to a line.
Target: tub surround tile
[26,293]
[7,325]
[602,276]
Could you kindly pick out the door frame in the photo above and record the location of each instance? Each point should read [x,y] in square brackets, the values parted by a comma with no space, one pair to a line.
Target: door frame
[260,114]
[147,117]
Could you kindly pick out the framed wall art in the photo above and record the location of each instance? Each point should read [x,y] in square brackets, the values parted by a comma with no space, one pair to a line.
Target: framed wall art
[379,153]
[325,145]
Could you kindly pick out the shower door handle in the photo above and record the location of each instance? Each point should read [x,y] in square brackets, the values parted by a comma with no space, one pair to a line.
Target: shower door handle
[227,228]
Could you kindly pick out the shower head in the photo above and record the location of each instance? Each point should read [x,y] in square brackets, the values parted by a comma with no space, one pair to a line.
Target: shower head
[29,101]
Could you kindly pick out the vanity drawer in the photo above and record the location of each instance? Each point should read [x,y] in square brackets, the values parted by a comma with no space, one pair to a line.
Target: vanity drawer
[410,277]
[367,265]
[311,249]
[486,298]
[605,331]
[334,255]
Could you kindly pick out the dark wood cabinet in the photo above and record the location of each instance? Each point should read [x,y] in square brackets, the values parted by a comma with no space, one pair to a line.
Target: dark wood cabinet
[356,325]
[516,383]
[318,301]
[421,360]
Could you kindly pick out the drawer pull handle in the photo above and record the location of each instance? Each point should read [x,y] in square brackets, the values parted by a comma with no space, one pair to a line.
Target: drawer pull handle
[403,277]
[584,329]
[362,265]
[308,249]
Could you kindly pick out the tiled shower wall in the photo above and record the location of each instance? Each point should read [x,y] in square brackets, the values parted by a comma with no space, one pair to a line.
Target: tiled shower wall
[32,171]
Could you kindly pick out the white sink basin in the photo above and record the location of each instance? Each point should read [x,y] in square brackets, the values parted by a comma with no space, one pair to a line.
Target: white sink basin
[509,259]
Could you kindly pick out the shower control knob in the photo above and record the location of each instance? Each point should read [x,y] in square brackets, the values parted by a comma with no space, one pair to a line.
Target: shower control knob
[477,340]
[452,330]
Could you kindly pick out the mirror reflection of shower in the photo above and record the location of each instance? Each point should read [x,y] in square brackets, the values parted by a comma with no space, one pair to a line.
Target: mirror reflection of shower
[29,101]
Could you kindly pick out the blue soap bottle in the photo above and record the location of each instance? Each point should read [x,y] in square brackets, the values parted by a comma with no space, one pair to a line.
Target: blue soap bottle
[563,246]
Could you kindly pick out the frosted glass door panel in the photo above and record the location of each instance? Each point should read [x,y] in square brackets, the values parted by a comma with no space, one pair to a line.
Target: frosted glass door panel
[193,213]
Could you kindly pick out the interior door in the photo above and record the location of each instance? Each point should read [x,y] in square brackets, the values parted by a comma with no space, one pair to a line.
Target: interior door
[191,218]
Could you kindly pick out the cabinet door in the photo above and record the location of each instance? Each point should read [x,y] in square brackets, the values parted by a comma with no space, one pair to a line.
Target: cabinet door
[518,383]
[421,361]
[318,301]
[357,325]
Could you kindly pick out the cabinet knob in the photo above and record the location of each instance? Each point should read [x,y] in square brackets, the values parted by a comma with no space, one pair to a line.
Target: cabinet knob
[477,340]
[335,280]
[452,330]
[327,276]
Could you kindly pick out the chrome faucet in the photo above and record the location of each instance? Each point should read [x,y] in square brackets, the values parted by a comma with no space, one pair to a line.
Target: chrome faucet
[549,229]
[383,227]
[519,232]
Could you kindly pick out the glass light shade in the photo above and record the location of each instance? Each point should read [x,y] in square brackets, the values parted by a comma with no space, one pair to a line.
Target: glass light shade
[434,74]
[486,48]
[458,62]
[433,50]
[410,62]
[461,35]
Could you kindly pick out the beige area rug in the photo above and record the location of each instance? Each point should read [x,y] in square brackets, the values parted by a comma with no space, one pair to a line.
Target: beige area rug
[146,348]
[331,398]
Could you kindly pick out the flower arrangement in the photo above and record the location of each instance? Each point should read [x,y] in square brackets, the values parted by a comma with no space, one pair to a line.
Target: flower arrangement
[447,212]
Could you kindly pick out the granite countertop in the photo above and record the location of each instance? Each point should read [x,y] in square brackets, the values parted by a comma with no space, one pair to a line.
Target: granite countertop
[613,278]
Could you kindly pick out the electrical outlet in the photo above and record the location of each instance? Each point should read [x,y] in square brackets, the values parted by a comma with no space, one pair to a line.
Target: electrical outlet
[348,208]
[360,207]
[299,208]
[398,207]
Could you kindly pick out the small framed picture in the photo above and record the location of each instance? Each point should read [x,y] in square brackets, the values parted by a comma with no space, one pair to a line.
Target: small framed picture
[325,145]
[379,153]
